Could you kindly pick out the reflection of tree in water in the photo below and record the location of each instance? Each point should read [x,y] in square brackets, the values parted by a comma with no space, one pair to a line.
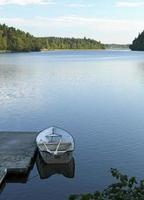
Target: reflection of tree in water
[47,170]
[141,72]
[9,71]
[15,82]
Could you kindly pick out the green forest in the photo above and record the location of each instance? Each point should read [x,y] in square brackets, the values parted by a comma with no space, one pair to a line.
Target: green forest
[69,43]
[138,43]
[15,40]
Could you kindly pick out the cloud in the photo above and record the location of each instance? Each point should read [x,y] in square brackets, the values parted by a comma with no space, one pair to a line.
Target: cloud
[130,4]
[26,2]
[112,30]
[78,5]
[67,21]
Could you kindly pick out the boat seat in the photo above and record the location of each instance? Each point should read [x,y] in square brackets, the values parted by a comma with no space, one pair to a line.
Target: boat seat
[53,146]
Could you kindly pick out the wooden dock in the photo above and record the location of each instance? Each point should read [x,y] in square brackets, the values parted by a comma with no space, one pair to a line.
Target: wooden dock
[17,151]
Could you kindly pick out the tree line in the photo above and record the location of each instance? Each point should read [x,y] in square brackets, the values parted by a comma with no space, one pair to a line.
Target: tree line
[12,39]
[15,40]
[69,43]
[138,43]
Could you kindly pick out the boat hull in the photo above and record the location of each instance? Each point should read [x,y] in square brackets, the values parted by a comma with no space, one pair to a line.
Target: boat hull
[59,158]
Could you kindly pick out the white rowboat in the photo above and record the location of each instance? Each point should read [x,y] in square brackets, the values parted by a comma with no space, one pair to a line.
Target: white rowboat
[55,145]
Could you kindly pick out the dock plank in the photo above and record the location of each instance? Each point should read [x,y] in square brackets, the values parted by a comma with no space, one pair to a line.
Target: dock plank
[17,150]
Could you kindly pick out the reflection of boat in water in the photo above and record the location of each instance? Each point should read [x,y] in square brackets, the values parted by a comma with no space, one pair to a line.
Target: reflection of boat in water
[47,170]
[55,145]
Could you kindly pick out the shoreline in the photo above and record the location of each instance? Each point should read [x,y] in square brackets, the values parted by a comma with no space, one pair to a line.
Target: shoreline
[48,50]
[71,50]
[53,50]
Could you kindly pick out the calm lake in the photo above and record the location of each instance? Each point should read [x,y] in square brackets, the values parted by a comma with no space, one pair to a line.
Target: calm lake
[98,96]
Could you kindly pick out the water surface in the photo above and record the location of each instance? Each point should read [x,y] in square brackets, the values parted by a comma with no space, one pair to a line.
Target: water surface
[98,96]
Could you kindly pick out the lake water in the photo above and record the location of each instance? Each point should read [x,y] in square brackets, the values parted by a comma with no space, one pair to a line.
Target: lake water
[98,96]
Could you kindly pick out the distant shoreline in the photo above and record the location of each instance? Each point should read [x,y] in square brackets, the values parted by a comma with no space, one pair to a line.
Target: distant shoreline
[111,49]
[20,42]
[5,51]
[50,50]
[47,50]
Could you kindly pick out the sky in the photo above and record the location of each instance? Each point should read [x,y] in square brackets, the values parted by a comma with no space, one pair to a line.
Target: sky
[108,21]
